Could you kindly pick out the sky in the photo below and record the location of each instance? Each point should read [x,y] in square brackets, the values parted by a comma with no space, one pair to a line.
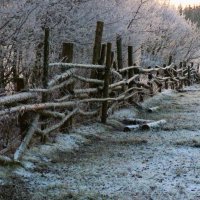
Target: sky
[185,2]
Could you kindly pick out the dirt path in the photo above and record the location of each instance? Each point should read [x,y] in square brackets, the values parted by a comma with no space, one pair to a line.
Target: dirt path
[110,164]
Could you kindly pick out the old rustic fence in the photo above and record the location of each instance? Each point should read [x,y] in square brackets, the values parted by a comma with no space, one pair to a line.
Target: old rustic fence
[96,95]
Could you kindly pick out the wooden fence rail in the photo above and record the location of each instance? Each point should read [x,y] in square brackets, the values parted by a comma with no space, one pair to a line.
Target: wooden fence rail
[99,96]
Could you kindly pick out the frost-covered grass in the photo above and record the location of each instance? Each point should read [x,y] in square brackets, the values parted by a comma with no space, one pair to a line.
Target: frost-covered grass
[98,161]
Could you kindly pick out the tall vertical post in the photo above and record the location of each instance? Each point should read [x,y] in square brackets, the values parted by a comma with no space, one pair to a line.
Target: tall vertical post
[198,68]
[103,54]
[189,76]
[102,61]
[67,52]
[185,68]
[45,75]
[181,81]
[192,79]
[181,65]
[106,83]
[97,48]
[67,57]
[23,118]
[45,64]
[130,63]
[37,69]
[14,65]
[119,52]
[170,60]
[2,78]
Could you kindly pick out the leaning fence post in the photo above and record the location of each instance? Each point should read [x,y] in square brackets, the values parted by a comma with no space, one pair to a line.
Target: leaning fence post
[112,61]
[106,83]
[97,48]
[101,62]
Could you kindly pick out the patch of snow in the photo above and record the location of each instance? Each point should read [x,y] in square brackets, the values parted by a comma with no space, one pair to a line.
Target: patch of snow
[159,169]
[124,113]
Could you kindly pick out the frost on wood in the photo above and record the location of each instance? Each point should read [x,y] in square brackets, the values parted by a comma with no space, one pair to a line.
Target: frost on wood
[22,148]
[58,125]
[88,80]
[73,65]
[4,160]
[17,98]
[145,125]
[54,88]
[62,77]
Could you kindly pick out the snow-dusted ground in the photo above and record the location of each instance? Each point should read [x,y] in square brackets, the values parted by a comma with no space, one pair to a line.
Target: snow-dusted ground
[98,161]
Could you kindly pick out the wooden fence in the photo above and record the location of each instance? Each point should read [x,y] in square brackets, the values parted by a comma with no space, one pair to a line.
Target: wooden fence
[107,85]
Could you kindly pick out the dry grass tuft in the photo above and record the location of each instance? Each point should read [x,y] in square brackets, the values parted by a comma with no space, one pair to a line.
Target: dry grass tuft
[130,141]
[191,143]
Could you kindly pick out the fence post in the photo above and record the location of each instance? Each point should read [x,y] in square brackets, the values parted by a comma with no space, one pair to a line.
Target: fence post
[198,68]
[159,85]
[119,52]
[150,77]
[97,49]
[36,75]
[2,78]
[106,83]
[45,75]
[192,69]
[23,117]
[112,61]
[165,74]
[181,81]
[176,75]
[67,53]
[45,64]
[189,76]
[170,60]
[130,63]
[102,61]
[67,56]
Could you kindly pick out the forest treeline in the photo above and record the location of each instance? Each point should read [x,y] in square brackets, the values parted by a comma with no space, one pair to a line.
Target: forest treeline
[154,29]
[191,13]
